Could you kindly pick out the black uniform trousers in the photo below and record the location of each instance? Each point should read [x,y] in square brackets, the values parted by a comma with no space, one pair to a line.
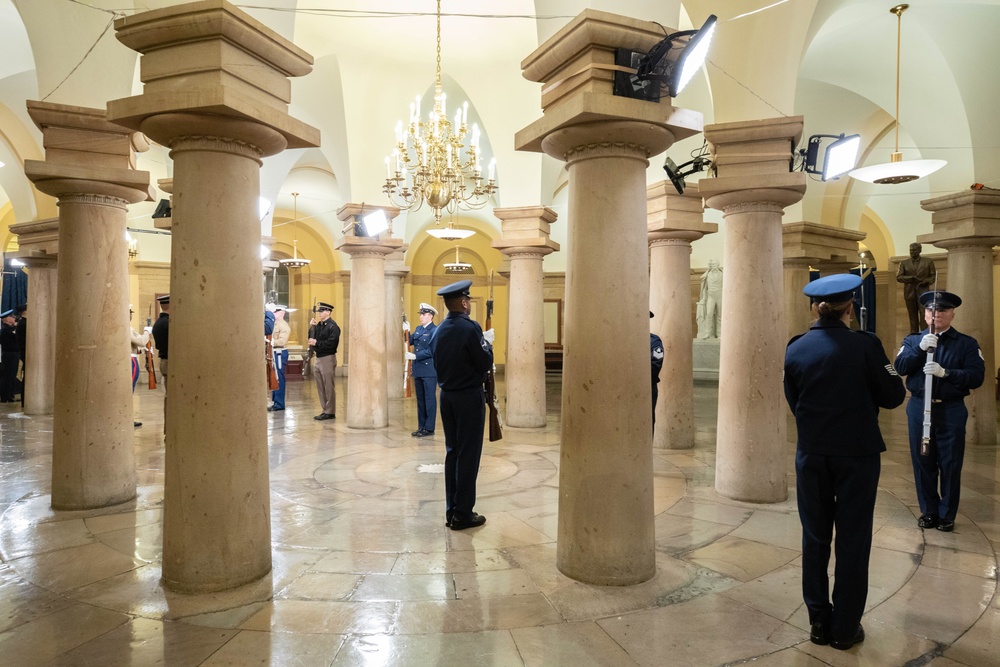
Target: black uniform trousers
[463,416]
[946,456]
[426,402]
[8,375]
[836,491]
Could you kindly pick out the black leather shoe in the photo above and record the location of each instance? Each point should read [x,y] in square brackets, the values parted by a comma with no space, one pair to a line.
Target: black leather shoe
[418,433]
[447,520]
[844,644]
[274,409]
[426,434]
[820,633]
[323,416]
[928,521]
[472,522]
[136,424]
[945,526]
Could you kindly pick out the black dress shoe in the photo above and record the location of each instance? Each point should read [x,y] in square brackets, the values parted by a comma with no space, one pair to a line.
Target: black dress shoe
[425,434]
[323,416]
[447,520]
[945,526]
[274,409]
[844,644]
[928,521]
[136,424]
[820,633]
[473,521]
[418,433]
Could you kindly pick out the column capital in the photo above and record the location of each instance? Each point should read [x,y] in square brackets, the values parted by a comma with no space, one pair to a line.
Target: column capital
[362,246]
[820,243]
[188,51]
[37,241]
[525,231]
[670,215]
[577,90]
[752,161]
[969,217]
[395,264]
[86,154]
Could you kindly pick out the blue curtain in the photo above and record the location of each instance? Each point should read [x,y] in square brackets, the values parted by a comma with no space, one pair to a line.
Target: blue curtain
[15,287]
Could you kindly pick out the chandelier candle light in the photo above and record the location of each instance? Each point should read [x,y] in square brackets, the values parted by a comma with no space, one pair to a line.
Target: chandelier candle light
[430,161]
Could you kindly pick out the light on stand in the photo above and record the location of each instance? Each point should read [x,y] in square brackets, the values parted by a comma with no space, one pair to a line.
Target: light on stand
[839,156]
[666,65]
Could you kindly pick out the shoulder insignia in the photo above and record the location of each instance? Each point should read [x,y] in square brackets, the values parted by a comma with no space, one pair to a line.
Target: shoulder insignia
[980,351]
[901,348]
[891,369]
[658,353]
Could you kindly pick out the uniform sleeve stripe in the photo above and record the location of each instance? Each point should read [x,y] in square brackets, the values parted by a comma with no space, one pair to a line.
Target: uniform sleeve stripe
[891,369]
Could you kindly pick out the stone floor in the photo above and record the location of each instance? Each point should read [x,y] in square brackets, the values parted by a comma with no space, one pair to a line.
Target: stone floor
[366,574]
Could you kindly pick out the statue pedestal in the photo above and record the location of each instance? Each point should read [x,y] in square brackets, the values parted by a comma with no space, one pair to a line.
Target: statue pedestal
[705,355]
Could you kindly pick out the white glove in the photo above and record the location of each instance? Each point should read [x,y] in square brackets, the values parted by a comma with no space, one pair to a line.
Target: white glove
[148,330]
[934,368]
[929,341]
[410,356]
[406,325]
[489,335]
[269,307]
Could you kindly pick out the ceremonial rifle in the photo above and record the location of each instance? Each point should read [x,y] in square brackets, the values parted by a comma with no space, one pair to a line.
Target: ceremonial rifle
[925,440]
[272,375]
[149,349]
[408,366]
[496,425]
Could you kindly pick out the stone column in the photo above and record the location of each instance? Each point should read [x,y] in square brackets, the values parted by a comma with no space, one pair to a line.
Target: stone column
[525,240]
[88,168]
[38,244]
[752,188]
[967,225]
[673,221]
[606,459]
[395,272]
[805,244]
[367,384]
[216,514]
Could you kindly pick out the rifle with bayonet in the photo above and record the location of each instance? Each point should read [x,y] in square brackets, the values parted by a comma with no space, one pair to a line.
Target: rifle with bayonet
[492,402]
[925,439]
[150,369]
[408,366]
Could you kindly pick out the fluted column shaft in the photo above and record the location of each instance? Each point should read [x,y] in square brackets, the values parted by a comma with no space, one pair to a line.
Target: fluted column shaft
[525,370]
[40,356]
[93,464]
[970,275]
[670,302]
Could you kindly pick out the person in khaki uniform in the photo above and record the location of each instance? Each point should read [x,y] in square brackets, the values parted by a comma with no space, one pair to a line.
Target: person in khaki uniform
[324,341]
[279,341]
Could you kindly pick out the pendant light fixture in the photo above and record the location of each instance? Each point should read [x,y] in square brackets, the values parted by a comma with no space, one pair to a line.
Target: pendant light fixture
[294,262]
[897,170]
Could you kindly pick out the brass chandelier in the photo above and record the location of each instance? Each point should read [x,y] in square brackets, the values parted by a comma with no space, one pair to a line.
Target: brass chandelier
[430,163]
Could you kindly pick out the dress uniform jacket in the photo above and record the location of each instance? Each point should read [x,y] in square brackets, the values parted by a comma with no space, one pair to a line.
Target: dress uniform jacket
[420,339]
[836,380]
[956,352]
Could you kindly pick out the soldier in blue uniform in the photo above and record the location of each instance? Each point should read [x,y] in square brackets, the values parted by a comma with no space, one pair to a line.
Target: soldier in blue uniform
[10,356]
[424,375]
[958,368]
[656,363]
[836,380]
[462,356]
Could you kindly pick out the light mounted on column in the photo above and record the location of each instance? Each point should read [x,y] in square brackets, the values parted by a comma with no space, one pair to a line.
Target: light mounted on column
[699,162]
[839,156]
[669,65]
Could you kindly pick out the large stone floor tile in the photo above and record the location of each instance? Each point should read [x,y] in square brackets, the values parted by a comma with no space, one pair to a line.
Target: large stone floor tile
[741,559]
[276,649]
[324,617]
[569,645]
[43,639]
[475,614]
[884,646]
[474,648]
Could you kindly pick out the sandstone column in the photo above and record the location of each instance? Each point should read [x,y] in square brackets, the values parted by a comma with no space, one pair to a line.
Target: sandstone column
[38,243]
[88,168]
[395,272]
[806,244]
[673,221]
[525,240]
[752,188]
[605,476]
[216,515]
[967,225]
[367,384]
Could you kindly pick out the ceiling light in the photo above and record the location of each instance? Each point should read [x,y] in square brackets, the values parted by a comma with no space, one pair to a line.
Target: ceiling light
[294,262]
[897,170]
[458,266]
[450,233]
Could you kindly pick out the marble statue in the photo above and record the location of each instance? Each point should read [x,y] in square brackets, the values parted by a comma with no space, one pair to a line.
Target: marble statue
[709,309]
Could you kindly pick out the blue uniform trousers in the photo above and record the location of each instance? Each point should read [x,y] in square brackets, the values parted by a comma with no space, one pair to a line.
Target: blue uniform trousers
[280,362]
[946,456]
[463,415]
[836,491]
[135,371]
[426,402]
